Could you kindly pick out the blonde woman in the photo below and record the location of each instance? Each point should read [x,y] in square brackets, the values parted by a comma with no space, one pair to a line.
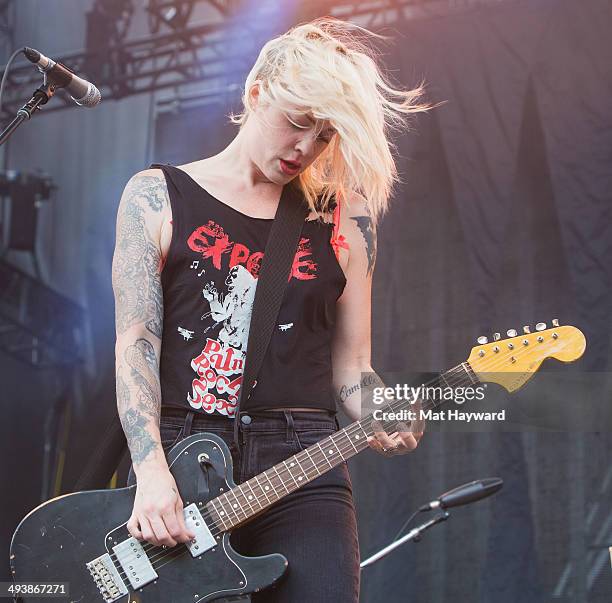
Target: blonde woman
[190,239]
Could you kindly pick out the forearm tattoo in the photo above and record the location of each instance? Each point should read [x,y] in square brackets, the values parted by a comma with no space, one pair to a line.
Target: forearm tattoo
[123,393]
[139,439]
[140,357]
[137,260]
[366,226]
[144,380]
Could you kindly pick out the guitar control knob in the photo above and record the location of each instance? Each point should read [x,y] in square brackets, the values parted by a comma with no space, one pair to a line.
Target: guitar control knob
[511,333]
[496,336]
[555,322]
[482,340]
[540,326]
[526,329]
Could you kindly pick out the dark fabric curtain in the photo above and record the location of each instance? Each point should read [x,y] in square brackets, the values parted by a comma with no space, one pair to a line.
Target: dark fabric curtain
[503,218]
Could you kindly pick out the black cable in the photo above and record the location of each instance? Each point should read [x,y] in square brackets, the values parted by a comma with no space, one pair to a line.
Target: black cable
[3,83]
[406,524]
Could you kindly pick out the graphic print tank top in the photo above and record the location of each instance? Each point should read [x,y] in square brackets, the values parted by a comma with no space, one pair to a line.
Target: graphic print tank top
[209,282]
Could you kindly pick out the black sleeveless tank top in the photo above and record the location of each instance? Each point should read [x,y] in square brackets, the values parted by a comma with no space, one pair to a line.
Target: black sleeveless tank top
[208,283]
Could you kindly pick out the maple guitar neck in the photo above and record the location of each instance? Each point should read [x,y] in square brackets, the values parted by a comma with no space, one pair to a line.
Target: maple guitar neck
[510,363]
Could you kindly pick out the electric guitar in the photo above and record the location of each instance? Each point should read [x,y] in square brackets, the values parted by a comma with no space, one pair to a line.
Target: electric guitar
[82,539]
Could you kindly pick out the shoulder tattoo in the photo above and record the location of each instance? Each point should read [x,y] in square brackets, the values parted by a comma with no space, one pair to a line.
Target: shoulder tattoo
[368,231]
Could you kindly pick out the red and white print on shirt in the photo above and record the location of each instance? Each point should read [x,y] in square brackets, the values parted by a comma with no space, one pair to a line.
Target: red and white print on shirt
[220,363]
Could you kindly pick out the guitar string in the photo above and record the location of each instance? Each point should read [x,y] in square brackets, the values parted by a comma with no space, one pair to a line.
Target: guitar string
[351,429]
[438,378]
[165,552]
[357,425]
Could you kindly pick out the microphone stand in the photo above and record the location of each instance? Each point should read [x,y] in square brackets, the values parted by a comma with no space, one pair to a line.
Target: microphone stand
[40,97]
[414,535]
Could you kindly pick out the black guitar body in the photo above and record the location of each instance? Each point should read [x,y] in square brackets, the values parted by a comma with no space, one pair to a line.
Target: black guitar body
[56,541]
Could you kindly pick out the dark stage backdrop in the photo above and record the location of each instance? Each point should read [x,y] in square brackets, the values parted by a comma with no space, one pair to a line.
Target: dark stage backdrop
[503,219]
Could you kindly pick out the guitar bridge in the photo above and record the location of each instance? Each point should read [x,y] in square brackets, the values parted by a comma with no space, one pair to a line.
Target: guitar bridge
[107,578]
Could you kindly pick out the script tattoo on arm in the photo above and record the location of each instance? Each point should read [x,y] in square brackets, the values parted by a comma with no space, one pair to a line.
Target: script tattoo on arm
[368,230]
[348,389]
[137,260]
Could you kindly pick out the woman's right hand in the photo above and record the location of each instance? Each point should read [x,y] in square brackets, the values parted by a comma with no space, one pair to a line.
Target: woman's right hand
[157,516]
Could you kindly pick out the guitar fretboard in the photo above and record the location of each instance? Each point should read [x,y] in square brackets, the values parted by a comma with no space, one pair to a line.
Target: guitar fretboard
[250,498]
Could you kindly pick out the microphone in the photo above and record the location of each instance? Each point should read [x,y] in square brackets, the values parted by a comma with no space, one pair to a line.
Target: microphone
[82,92]
[466,493]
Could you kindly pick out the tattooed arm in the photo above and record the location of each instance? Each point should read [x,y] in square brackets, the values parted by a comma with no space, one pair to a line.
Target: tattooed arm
[354,376]
[139,315]
[137,263]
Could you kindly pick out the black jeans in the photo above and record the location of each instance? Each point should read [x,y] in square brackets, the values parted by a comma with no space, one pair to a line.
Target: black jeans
[314,527]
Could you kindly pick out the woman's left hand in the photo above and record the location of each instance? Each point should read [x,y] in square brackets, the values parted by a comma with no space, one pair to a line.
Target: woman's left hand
[404,440]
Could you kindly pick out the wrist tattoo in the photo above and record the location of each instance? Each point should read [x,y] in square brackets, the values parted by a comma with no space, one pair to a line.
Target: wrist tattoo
[138,438]
[347,390]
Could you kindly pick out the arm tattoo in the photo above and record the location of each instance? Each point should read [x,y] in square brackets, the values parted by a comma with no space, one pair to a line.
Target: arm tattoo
[348,389]
[366,225]
[150,188]
[137,261]
[140,357]
[139,439]
[123,394]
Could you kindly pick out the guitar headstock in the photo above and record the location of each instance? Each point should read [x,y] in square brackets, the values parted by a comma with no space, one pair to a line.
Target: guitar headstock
[512,362]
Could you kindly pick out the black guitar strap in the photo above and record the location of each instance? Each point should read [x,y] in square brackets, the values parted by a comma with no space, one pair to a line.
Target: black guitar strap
[273,278]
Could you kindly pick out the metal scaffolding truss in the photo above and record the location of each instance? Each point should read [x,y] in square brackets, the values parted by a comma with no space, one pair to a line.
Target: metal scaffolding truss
[38,326]
[169,14]
[180,52]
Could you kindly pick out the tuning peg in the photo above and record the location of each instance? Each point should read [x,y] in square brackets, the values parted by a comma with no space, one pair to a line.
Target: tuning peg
[526,329]
[540,326]
[511,333]
[482,340]
[555,322]
[496,336]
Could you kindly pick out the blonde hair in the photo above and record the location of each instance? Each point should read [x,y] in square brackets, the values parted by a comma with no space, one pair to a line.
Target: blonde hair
[324,67]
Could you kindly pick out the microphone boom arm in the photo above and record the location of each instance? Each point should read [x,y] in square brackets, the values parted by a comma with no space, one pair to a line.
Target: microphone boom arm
[414,535]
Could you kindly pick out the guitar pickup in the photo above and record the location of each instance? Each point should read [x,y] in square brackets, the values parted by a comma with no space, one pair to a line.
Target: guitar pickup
[135,562]
[204,540]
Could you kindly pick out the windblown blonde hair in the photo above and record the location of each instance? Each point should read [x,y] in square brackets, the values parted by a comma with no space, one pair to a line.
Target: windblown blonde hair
[324,67]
